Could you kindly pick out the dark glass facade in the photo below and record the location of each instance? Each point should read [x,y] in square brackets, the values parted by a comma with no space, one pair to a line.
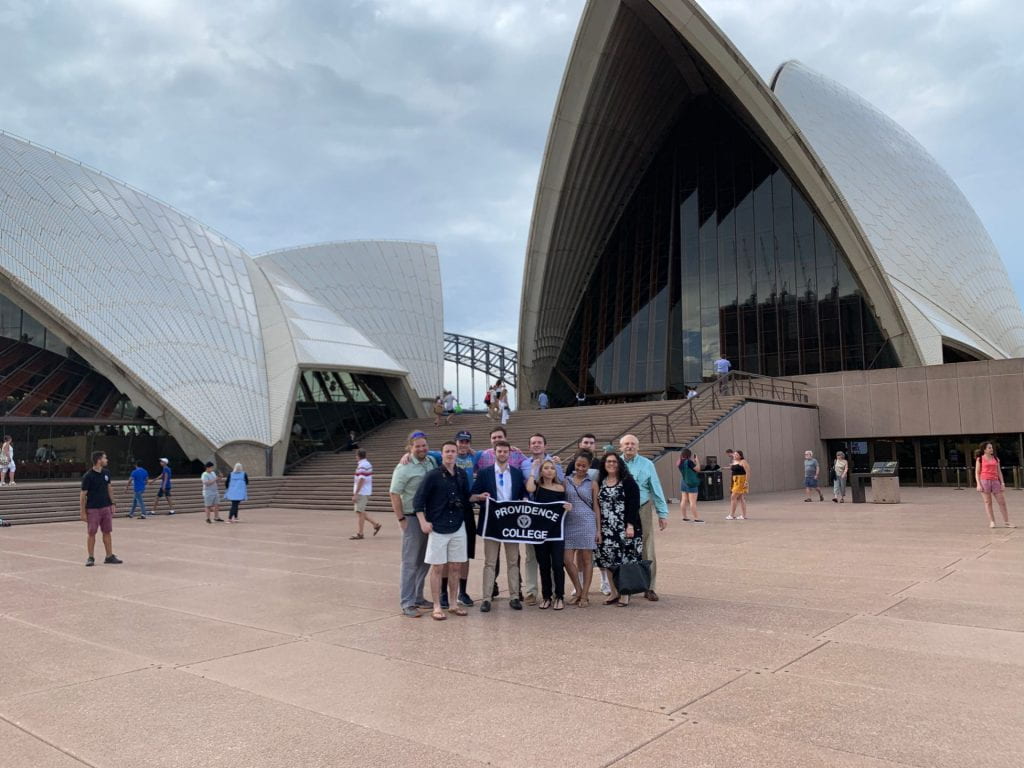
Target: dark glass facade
[333,406]
[716,252]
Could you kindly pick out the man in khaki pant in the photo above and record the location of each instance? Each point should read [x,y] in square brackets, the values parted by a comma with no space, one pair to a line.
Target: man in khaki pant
[500,482]
[651,496]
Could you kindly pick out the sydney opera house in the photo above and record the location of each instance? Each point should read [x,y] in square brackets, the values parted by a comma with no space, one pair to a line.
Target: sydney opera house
[117,310]
[688,209]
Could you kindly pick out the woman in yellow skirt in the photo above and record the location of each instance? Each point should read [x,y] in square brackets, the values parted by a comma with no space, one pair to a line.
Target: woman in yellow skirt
[740,486]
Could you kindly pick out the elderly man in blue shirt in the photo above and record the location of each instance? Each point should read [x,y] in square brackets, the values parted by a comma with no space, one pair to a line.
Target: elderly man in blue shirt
[651,495]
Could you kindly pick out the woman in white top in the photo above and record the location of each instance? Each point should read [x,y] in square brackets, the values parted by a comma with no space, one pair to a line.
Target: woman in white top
[841,468]
[7,466]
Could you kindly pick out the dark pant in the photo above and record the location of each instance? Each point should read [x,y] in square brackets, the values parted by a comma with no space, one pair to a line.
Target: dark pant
[234,510]
[551,560]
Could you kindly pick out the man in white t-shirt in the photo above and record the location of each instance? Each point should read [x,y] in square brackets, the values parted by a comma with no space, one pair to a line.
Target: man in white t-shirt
[362,489]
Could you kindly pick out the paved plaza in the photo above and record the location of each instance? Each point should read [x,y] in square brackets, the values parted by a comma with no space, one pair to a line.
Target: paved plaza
[810,635]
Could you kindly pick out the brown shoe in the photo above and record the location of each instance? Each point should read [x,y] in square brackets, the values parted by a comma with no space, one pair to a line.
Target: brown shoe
[530,600]
[651,595]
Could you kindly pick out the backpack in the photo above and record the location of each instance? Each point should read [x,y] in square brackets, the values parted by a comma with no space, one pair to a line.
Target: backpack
[690,478]
[487,398]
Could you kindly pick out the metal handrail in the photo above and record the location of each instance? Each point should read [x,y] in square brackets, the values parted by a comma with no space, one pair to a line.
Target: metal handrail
[658,425]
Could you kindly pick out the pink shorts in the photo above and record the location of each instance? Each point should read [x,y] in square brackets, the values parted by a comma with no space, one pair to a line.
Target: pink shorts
[101,519]
[991,486]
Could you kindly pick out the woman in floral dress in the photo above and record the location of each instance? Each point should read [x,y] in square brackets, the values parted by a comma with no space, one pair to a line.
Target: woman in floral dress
[619,522]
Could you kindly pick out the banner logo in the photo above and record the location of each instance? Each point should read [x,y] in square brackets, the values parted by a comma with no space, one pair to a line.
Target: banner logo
[524,522]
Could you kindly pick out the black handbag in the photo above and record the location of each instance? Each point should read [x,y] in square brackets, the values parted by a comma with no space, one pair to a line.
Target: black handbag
[632,578]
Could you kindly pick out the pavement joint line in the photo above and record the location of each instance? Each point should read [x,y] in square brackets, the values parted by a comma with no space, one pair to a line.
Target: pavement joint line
[641,745]
[901,591]
[482,676]
[185,667]
[803,655]
[833,626]
[62,686]
[950,565]
[889,608]
[943,576]
[690,703]
[48,743]
[201,616]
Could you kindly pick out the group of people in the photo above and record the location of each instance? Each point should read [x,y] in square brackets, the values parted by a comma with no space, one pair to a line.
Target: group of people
[496,400]
[611,505]
[97,507]
[840,475]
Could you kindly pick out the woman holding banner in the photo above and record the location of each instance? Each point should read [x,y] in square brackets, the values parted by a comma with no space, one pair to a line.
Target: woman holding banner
[619,521]
[581,532]
[543,484]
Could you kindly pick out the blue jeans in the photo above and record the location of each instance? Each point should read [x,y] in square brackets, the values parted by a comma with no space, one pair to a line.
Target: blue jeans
[138,501]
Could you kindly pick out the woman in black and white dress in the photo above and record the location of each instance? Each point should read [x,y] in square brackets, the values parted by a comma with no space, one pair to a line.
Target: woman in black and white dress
[619,521]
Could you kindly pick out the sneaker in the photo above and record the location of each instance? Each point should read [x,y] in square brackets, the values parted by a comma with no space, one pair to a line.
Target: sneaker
[530,600]
[485,606]
[835,500]
[516,605]
[606,588]
[410,613]
[209,521]
[465,600]
[425,604]
[131,515]
[171,512]
[444,603]
[112,560]
[90,562]
[730,517]
[218,519]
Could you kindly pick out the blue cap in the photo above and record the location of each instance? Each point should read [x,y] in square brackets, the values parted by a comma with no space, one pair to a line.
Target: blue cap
[464,435]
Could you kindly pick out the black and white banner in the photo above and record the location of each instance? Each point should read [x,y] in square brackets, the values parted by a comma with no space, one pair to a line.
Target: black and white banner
[523,522]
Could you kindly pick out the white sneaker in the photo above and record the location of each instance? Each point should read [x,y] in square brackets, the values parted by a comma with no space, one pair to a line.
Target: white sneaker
[171,512]
[606,588]
[729,517]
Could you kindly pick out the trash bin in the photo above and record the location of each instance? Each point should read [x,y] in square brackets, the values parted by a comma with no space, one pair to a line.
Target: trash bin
[885,482]
[710,485]
[857,480]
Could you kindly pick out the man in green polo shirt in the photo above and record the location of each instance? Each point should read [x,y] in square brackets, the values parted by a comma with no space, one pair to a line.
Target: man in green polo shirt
[646,475]
[405,481]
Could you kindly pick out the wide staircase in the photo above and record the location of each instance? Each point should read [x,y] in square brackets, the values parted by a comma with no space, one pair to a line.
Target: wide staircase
[324,480]
[52,502]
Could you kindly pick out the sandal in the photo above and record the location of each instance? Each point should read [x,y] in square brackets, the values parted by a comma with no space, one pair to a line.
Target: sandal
[376,528]
[583,603]
[438,615]
[545,605]
[350,538]
[458,610]
[623,604]
[575,599]
[559,604]
[612,600]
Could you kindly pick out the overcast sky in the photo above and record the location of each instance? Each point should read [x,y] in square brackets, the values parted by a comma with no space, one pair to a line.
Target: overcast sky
[283,123]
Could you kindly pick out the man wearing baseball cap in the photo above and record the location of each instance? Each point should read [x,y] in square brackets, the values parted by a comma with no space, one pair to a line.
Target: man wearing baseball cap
[165,487]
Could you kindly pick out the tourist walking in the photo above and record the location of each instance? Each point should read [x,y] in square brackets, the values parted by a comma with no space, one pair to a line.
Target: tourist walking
[501,482]
[581,532]
[722,367]
[840,471]
[652,499]
[441,503]
[621,530]
[211,497]
[7,465]
[989,474]
[97,509]
[449,406]
[165,487]
[237,490]
[137,481]
[362,489]
[740,486]
[689,485]
[543,401]
[506,411]
[405,481]
[438,410]
[544,485]
[811,471]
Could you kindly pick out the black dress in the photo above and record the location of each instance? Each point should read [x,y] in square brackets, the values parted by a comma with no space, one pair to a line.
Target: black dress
[620,504]
[551,554]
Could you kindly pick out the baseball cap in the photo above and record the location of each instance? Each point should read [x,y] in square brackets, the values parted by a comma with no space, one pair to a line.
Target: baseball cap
[464,435]
[208,464]
[165,461]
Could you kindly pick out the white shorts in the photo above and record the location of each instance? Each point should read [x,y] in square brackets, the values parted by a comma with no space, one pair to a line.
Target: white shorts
[447,547]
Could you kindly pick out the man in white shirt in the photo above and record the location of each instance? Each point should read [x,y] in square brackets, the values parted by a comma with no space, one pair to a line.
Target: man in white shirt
[362,489]
[722,368]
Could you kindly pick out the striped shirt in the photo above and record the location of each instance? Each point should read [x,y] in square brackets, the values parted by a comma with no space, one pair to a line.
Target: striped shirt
[364,469]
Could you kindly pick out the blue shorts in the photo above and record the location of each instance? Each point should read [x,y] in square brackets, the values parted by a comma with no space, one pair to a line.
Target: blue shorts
[810,482]
[689,488]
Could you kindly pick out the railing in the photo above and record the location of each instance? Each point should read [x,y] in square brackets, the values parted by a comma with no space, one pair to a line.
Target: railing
[660,428]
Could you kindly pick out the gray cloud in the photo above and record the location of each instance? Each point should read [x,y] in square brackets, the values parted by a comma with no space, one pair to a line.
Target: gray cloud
[282,123]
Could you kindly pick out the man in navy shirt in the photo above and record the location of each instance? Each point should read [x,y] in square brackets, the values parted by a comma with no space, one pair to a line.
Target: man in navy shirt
[165,487]
[97,509]
[441,504]
[137,486]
